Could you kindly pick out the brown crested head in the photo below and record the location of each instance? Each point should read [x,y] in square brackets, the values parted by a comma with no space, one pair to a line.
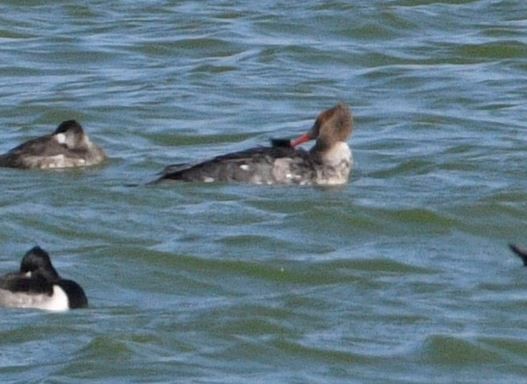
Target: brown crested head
[334,123]
[332,126]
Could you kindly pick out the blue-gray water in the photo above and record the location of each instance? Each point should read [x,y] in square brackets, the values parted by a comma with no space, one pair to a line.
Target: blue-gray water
[403,275]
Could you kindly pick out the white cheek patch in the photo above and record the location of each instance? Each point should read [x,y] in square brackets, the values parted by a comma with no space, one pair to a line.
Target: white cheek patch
[60,138]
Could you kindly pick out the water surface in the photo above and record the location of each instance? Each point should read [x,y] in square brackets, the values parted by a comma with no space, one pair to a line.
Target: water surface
[403,275]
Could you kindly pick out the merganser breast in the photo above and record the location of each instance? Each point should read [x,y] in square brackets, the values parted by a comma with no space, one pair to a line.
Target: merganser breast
[327,163]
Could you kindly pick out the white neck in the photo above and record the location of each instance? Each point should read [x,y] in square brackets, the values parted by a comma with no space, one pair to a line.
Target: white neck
[337,164]
[337,154]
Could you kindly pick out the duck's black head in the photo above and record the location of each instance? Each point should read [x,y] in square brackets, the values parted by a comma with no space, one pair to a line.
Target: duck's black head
[70,134]
[69,127]
[37,261]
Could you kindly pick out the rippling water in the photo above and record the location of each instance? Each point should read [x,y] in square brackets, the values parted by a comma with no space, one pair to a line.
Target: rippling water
[401,276]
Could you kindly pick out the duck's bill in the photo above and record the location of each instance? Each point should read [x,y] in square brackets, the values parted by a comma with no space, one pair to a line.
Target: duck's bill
[301,139]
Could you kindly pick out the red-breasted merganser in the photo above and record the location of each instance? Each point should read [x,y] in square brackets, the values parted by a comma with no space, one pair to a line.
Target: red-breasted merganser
[327,163]
[68,146]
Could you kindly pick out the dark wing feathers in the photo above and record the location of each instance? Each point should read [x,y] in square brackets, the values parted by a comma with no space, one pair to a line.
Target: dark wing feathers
[14,282]
[41,146]
[227,167]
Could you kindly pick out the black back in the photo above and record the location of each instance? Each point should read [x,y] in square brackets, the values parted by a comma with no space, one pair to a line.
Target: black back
[37,284]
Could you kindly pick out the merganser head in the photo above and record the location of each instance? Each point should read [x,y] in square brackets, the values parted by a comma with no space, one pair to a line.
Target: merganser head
[331,126]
